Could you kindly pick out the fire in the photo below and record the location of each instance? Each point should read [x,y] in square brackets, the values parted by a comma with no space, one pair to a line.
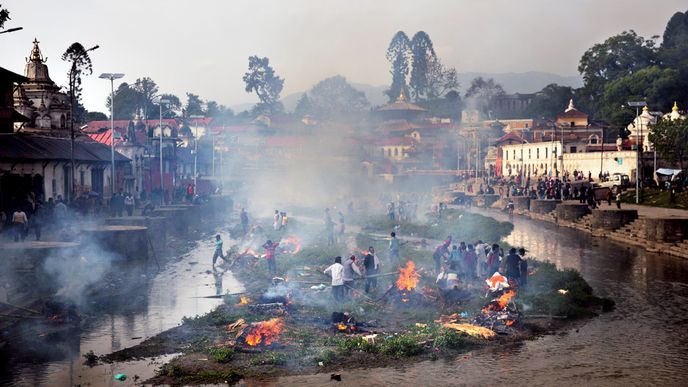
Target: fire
[291,245]
[408,277]
[509,323]
[250,251]
[265,332]
[243,300]
[341,327]
[504,299]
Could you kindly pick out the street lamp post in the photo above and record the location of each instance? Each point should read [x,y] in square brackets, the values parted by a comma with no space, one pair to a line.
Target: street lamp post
[637,105]
[162,186]
[112,77]
[72,88]
[195,170]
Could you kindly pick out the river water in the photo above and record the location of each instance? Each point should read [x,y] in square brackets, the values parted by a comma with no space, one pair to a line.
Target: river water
[644,341]
[167,297]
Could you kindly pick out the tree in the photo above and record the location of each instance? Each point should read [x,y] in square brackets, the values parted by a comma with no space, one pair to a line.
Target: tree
[616,57]
[673,52]
[441,80]
[95,116]
[334,97]
[81,64]
[481,93]
[262,79]
[148,90]
[173,108]
[303,106]
[423,55]
[217,111]
[550,101]
[398,54]
[194,105]
[670,139]
[659,87]
[126,102]
[448,106]
[4,16]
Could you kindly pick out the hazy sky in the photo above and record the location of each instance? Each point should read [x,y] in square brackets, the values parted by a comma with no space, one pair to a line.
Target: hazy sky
[202,46]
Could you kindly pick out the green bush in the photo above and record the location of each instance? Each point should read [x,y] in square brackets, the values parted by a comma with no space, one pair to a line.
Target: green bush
[401,346]
[221,355]
[450,339]
[269,358]
[326,356]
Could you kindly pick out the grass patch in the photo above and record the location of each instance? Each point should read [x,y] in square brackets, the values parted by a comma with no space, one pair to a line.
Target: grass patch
[543,296]
[269,358]
[657,198]
[402,345]
[221,354]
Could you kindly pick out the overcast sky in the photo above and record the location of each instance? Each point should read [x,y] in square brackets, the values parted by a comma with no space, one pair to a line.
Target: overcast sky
[202,46]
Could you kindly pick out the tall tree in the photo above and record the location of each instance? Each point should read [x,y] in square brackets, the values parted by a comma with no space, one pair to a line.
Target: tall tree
[670,139]
[423,55]
[95,116]
[303,106]
[81,64]
[4,15]
[148,90]
[194,105]
[550,101]
[127,101]
[335,98]
[441,80]
[481,94]
[618,56]
[398,54]
[673,52]
[262,79]
[171,109]
[659,87]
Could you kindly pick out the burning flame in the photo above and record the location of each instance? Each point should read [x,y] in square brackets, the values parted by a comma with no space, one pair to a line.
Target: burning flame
[408,277]
[265,332]
[291,245]
[509,323]
[504,299]
[250,251]
[341,327]
[243,300]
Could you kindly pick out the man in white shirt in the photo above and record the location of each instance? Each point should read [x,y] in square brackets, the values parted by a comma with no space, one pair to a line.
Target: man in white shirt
[336,271]
[20,224]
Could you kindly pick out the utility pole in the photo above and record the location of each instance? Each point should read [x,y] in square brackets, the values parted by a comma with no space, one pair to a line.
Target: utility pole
[112,77]
[637,105]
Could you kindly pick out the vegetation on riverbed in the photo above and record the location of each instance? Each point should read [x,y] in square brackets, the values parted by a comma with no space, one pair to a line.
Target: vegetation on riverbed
[658,198]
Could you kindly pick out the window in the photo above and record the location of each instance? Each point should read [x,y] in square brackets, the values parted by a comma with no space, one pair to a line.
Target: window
[521,153]
[389,152]
[573,149]
[529,154]
[514,154]
[506,154]
[81,178]
[54,187]
[396,151]
[526,126]
[537,153]
[546,153]
[573,123]
[593,139]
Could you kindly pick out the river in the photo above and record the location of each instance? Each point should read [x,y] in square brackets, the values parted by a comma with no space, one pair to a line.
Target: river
[169,295]
[644,341]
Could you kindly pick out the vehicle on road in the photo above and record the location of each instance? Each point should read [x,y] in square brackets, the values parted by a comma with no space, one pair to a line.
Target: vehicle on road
[617,180]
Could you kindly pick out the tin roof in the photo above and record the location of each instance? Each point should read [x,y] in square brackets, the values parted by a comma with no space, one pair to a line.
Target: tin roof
[34,147]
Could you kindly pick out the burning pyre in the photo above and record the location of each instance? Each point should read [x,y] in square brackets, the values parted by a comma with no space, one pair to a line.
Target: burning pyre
[499,314]
[264,332]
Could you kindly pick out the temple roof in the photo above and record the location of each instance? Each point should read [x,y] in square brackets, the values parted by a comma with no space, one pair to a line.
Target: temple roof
[401,105]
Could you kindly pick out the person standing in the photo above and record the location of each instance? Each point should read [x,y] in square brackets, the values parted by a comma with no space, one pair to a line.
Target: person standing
[19,225]
[471,262]
[244,220]
[441,251]
[372,268]
[285,220]
[523,267]
[350,268]
[512,265]
[329,228]
[276,220]
[270,255]
[129,204]
[39,218]
[493,259]
[218,250]
[336,271]
[394,250]
[618,198]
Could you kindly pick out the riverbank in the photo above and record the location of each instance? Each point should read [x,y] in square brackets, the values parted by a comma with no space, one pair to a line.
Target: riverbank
[382,328]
